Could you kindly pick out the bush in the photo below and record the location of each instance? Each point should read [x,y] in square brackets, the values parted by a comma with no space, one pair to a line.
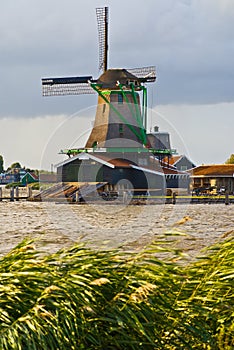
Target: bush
[79,298]
[35,186]
[14,184]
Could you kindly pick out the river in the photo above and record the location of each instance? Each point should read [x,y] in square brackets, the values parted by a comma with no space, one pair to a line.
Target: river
[109,225]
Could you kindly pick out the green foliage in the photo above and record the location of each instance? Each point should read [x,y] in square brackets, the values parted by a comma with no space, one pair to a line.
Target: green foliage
[14,184]
[15,165]
[84,299]
[1,164]
[230,160]
[35,186]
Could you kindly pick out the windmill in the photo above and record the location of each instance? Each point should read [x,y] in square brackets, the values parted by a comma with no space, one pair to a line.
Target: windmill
[120,117]
[117,151]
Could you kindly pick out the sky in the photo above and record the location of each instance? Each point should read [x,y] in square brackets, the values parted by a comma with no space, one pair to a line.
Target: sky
[191,43]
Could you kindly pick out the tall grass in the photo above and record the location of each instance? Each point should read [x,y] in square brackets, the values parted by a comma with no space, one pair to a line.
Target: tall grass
[80,298]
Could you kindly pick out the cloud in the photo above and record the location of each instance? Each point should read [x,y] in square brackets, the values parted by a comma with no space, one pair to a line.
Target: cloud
[190,42]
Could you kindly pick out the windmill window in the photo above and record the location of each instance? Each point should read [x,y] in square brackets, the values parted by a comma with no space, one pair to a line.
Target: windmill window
[120,98]
[183,167]
[104,108]
[134,82]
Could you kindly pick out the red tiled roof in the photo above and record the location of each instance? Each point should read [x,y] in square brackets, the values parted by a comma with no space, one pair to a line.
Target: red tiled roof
[34,176]
[118,162]
[213,170]
[174,159]
[171,171]
[154,164]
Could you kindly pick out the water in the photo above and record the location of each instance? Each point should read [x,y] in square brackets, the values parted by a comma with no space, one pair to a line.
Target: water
[54,226]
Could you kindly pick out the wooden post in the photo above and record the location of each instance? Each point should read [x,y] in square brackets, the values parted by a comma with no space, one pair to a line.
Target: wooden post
[17,193]
[174,198]
[0,194]
[169,198]
[29,191]
[226,198]
[12,194]
[77,196]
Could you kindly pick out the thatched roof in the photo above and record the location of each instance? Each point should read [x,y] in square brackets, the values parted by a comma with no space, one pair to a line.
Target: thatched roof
[110,78]
[215,170]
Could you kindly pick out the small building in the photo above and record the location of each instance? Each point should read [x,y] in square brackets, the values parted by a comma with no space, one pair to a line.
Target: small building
[217,176]
[181,162]
[177,180]
[140,172]
[13,175]
[29,178]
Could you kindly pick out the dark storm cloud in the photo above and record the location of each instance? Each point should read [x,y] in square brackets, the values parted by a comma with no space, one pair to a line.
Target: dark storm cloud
[190,42]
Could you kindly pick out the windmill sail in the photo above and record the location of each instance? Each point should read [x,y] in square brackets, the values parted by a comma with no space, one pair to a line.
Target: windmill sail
[67,86]
[102,19]
[145,74]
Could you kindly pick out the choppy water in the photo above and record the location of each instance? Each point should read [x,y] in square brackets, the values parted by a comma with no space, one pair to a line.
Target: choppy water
[110,225]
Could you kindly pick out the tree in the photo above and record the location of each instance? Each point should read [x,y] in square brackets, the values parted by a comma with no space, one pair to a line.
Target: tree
[230,160]
[15,165]
[1,164]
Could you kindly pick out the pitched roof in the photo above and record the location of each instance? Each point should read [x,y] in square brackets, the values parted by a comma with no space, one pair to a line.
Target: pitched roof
[111,76]
[175,159]
[171,171]
[217,170]
[154,166]
[33,176]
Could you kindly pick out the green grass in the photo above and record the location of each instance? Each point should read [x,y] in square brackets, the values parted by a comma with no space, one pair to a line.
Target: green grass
[80,298]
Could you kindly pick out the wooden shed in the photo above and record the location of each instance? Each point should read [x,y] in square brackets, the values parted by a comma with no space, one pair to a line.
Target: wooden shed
[29,178]
[217,176]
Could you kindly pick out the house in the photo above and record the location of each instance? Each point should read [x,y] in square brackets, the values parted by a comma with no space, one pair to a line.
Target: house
[140,172]
[6,178]
[218,176]
[176,180]
[29,178]
[181,162]
[13,175]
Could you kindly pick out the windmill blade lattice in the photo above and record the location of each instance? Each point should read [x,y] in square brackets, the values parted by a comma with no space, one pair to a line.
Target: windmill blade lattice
[102,20]
[145,74]
[66,86]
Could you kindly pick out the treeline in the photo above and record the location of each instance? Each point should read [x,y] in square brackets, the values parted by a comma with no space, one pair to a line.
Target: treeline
[17,165]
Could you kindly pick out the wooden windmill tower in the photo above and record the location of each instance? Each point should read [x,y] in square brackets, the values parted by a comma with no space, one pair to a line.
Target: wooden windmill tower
[120,118]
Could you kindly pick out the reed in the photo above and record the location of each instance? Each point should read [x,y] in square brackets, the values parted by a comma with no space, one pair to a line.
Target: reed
[80,298]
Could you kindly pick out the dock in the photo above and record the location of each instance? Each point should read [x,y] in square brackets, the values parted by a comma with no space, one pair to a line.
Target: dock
[15,194]
[71,193]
